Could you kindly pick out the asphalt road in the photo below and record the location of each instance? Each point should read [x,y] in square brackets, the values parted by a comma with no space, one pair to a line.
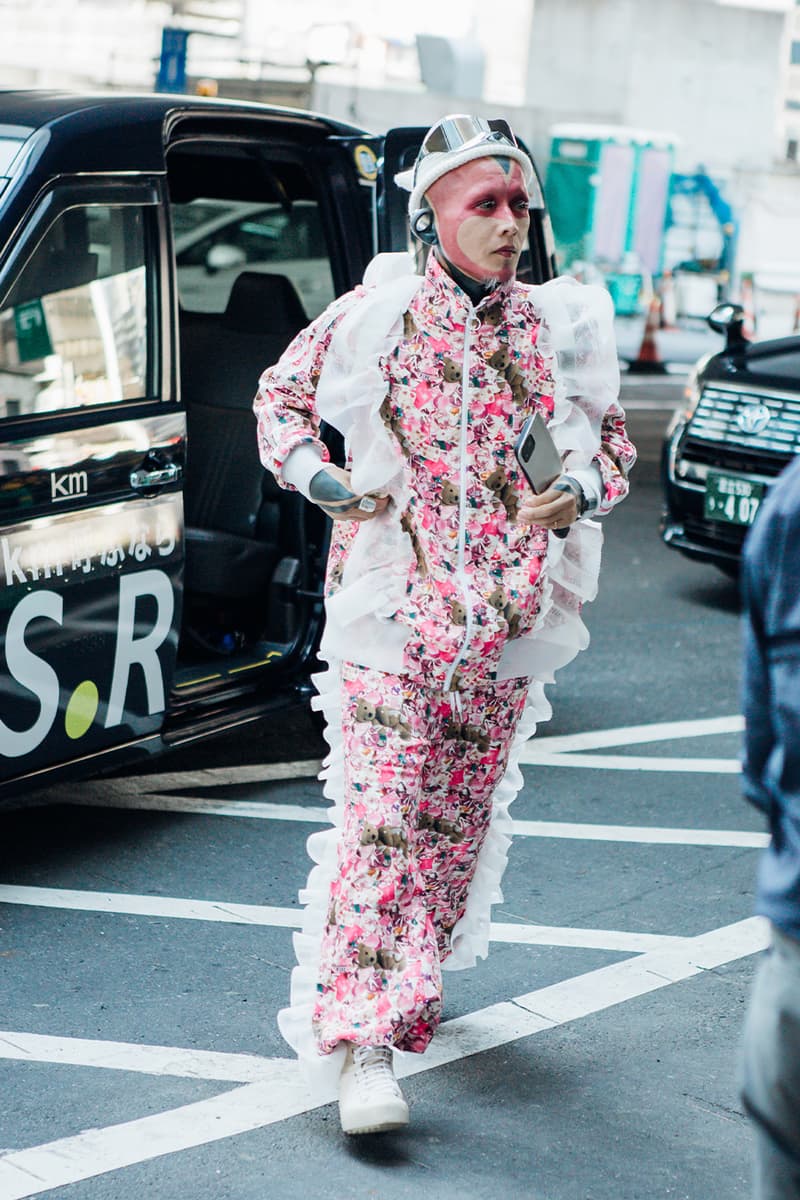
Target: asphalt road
[145,946]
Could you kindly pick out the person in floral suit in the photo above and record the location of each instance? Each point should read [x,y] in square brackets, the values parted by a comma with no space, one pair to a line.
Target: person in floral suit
[450,599]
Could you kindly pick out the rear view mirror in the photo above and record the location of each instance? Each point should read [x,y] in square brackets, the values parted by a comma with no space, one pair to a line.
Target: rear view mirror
[728,318]
[223,257]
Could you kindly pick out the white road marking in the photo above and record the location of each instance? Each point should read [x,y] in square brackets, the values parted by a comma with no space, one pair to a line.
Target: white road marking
[566,751]
[629,762]
[590,993]
[151,906]
[258,810]
[96,1151]
[149,1060]
[214,776]
[278,1091]
[546,829]
[112,792]
[30,1172]
[171,907]
[740,838]
[633,735]
[146,791]
[584,939]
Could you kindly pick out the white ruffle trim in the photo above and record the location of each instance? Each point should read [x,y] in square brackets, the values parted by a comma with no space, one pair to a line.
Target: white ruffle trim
[470,939]
[295,1022]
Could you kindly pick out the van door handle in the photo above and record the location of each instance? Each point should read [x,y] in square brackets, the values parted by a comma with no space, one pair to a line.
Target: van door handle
[144,479]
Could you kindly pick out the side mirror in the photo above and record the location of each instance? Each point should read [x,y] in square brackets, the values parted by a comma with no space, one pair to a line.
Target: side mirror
[728,318]
[224,258]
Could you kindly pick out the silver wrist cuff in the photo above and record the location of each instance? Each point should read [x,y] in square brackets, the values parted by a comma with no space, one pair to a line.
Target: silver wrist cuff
[586,504]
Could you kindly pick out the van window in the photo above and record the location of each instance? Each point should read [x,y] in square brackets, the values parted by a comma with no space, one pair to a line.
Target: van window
[216,240]
[73,329]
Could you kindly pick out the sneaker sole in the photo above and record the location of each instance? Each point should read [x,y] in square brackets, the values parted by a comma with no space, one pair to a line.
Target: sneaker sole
[381,1119]
[377,1127]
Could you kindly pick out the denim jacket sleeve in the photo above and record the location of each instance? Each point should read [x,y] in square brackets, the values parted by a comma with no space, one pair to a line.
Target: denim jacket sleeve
[759,738]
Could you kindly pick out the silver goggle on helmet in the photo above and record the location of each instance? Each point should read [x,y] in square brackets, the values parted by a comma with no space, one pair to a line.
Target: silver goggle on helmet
[462,133]
[459,139]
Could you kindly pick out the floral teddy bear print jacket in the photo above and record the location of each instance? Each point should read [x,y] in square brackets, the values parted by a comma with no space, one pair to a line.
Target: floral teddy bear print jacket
[451,387]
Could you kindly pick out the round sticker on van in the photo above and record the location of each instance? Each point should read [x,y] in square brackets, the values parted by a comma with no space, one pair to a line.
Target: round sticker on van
[366,161]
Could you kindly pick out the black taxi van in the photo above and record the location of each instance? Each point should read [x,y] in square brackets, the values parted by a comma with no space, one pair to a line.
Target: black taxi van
[737,429]
[156,253]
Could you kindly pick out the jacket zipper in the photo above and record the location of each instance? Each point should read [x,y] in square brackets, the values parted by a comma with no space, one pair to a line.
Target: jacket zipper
[472,323]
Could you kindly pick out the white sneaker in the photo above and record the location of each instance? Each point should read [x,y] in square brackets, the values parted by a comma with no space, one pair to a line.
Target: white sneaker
[370,1100]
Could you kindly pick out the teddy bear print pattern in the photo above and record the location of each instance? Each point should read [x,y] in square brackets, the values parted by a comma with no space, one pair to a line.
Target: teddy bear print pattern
[419,798]
[508,378]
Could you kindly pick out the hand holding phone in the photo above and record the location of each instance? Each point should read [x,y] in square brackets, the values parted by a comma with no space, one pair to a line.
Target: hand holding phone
[537,454]
[538,457]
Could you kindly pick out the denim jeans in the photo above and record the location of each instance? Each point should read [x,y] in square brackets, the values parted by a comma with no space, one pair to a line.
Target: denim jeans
[771,1070]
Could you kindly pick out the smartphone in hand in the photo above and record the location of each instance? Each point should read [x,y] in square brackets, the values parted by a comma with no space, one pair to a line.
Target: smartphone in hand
[537,454]
[538,457]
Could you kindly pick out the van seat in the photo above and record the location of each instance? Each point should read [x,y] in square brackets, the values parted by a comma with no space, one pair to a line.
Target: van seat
[232,504]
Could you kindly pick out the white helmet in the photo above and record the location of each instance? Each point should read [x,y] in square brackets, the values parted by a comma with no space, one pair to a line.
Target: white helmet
[460,139]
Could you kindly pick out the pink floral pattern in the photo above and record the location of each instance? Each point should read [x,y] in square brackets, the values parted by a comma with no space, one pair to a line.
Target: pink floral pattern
[509,378]
[419,782]
[422,764]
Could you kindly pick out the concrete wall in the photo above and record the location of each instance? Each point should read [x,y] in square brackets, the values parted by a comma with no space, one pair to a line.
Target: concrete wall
[379,109]
[710,73]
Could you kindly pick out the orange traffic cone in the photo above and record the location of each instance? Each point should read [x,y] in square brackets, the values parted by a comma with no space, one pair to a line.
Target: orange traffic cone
[669,306]
[649,361]
[748,304]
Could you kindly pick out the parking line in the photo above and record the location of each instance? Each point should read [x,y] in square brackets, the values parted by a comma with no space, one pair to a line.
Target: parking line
[208,777]
[255,809]
[170,907]
[583,939]
[541,757]
[542,751]
[149,1060]
[632,735]
[743,839]
[94,1152]
[590,993]
[655,835]
[127,904]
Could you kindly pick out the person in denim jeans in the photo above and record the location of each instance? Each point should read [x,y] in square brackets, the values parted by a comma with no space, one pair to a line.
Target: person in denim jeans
[771,1054]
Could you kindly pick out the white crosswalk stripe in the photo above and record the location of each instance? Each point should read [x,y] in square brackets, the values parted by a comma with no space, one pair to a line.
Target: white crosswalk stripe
[172,907]
[30,1172]
[271,1089]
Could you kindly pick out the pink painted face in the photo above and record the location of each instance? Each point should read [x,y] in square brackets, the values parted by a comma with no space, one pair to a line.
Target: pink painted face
[482,217]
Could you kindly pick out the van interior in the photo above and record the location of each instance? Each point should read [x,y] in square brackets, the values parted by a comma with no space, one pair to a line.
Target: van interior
[253,268]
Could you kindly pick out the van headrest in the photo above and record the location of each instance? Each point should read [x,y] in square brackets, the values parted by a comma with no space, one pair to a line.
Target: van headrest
[264,303]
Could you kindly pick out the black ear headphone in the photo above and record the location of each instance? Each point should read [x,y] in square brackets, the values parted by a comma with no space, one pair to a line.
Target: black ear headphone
[423,227]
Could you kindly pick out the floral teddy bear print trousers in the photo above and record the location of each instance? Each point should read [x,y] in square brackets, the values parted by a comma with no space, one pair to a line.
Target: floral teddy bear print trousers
[421,768]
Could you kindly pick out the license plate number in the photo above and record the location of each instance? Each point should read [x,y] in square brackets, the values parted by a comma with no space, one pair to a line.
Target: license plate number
[732,499]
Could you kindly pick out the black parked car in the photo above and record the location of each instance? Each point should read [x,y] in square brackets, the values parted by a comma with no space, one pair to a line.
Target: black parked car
[738,429]
[155,584]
